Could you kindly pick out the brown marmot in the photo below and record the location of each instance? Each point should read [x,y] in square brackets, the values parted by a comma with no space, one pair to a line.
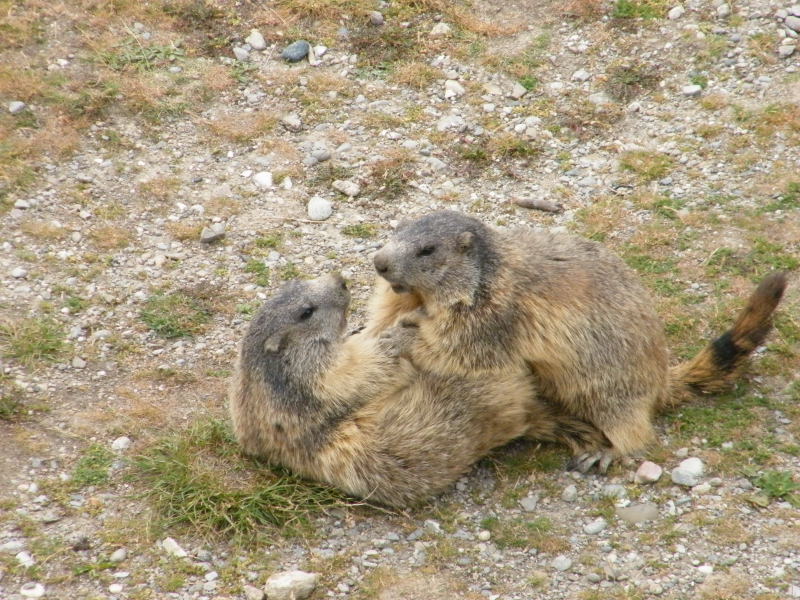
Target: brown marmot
[345,411]
[489,301]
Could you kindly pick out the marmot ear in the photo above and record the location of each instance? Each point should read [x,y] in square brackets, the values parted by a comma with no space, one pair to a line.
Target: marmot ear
[273,343]
[465,240]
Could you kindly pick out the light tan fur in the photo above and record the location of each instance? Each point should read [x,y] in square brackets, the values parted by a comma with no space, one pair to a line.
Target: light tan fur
[347,412]
[493,302]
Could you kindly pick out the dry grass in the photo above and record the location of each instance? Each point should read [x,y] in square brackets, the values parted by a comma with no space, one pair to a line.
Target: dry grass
[159,189]
[184,231]
[241,128]
[414,74]
[222,207]
[110,237]
[43,230]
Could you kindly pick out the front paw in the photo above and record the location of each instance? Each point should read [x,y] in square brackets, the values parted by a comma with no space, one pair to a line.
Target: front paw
[398,341]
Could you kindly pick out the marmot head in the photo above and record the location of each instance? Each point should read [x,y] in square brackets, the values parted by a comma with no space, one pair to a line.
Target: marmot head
[442,257]
[299,324]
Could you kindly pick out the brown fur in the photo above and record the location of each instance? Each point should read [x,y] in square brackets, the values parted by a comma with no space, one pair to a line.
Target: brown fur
[491,302]
[345,411]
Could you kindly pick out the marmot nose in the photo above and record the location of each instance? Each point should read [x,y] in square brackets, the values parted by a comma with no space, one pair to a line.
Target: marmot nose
[381,264]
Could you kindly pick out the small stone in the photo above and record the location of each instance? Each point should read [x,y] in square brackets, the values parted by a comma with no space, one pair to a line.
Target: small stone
[22,204]
[172,547]
[212,233]
[440,29]
[638,513]
[675,13]
[600,98]
[11,547]
[792,22]
[290,585]
[292,122]
[794,9]
[581,75]
[453,89]
[118,555]
[528,503]
[32,590]
[561,563]
[121,444]
[19,273]
[376,18]
[703,488]
[518,91]
[723,10]
[595,526]
[25,559]
[691,90]
[319,209]
[785,51]
[706,569]
[256,40]
[614,490]
[78,363]
[570,494]
[492,89]
[263,179]
[253,593]
[451,122]
[296,51]
[240,53]
[16,107]
[432,526]
[648,472]
[484,535]
[116,588]
[346,187]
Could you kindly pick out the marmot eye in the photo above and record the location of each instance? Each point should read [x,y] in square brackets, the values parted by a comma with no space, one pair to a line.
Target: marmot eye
[427,250]
[307,313]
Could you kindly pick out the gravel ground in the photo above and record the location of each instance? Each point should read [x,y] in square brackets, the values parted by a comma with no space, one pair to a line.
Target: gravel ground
[672,139]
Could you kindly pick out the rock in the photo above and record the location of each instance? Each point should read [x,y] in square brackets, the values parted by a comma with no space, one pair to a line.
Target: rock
[518,91]
[16,107]
[492,89]
[121,444]
[561,563]
[376,18]
[675,13]
[212,233]
[440,29]
[25,559]
[691,90]
[614,490]
[347,187]
[793,23]
[11,547]
[290,585]
[570,494]
[723,10]
[581,75]
[172,548]
[319,209]
[118,555]
[296,51]
[451,122]
[595,526]
[78,363]
[638,513]
[241,54]
[321,154]
[253,593]
[19,273]
[263,179]
[292,122]
[22,204]
[432,526]
[528,503]
[116,588]
[786,51]
[453,89]
[32,590]
[600,98]
[484,535]
[689,472]
[648,472]
[256,40]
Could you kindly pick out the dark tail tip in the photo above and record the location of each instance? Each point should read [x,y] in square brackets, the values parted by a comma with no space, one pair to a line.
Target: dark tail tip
[771,288]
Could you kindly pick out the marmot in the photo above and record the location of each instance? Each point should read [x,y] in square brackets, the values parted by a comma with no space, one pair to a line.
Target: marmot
[345,411]
[489,301]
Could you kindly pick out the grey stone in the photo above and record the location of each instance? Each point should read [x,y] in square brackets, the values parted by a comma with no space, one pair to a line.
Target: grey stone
[212,233]
[296,51]
[595,526]
[581,75]
[600,98]
[453,89]
[518,91]
[440,29]
[256,40]
[32,590]
[561,563]
[118,555]
[292,122]
[22,204]
[347,187]
[78,362]
[614,490]
[675,13]
[376,18]
[648,472]
[529,503]
[291,585]
[685,478]
[638,513]
[786,51]
[321,154]
[19,273]
[724,10]
[171,547]
[570,494]
[792,22]
[16,107]
[263,179]
[451,122]
[253,593]
[691,90]
[240,53]
[121,444]
[319,209]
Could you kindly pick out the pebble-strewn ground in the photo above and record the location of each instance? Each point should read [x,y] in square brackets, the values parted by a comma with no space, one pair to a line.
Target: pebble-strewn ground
[164,168]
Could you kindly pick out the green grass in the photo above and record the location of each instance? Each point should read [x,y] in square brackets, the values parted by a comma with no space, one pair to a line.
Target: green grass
[32,339]
[176,315]
[626,82]
[639,9]
[780,485]
[11,408]
[92,468]
[290,271]
[789,200]
[259,270]
[132,53]
[524,533]
[360,230]
[648,166]
[270,241]
[762,257]
[196,477]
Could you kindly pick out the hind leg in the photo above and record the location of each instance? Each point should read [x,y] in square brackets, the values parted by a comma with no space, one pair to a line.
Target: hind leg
[628,437]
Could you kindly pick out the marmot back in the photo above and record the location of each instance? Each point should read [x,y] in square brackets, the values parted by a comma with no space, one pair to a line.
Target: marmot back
[565,307]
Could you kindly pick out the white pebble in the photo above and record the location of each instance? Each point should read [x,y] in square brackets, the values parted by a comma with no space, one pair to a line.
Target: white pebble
[263,179]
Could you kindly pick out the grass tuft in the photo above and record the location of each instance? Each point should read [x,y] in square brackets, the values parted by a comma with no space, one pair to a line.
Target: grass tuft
[29,340]
[93,466]
[178,314]
[197,478]
[780,485]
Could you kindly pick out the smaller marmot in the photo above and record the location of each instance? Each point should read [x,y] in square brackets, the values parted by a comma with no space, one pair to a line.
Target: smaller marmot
[490,301]
[345,411]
